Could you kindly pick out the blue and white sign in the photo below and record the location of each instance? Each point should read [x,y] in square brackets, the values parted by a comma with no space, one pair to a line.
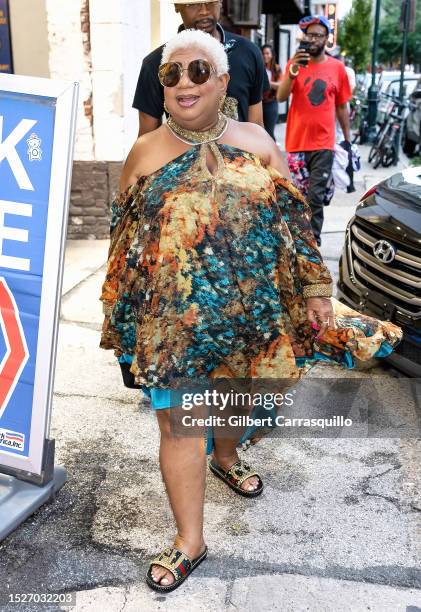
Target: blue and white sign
[37,126]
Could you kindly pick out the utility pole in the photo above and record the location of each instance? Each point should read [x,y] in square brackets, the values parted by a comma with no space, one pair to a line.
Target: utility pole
[373,90]
[406,15]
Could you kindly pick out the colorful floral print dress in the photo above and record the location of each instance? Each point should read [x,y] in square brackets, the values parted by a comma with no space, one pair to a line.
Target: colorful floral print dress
[208,274]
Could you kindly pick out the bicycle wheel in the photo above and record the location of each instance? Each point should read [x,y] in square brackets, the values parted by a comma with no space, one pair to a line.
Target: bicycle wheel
[389,150]
[378,140]
[375,154]
[377,159]
[372,152]
[381,146]
[389,157]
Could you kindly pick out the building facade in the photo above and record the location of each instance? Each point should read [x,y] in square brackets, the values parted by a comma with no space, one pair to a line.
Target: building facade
[100,44]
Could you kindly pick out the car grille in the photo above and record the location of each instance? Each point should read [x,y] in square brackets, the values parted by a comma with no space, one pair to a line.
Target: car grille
[399,281]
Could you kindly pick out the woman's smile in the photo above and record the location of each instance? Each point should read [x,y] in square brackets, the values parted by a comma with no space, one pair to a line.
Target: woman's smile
[187,100]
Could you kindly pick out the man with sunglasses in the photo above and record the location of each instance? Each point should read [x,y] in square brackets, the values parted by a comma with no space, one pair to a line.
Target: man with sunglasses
[248,77]
[320,91]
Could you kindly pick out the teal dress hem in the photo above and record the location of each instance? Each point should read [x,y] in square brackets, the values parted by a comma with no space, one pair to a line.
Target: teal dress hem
[161,398]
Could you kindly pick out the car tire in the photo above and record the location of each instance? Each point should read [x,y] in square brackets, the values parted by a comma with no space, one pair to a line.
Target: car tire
[408,146]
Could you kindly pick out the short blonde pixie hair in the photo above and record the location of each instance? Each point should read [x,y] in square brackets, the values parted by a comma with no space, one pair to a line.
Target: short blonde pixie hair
[196,39]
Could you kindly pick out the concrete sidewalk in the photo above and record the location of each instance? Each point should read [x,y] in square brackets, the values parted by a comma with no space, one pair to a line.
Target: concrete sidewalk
[82,259]
[337,527]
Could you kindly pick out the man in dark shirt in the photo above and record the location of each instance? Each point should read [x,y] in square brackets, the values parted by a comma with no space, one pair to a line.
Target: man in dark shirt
[247,72]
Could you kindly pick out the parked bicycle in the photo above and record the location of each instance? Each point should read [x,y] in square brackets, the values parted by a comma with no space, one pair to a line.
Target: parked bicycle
[358,120]
[385,148]
[382,126]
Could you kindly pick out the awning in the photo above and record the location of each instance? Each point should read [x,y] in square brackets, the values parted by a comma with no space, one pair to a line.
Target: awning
[289,11]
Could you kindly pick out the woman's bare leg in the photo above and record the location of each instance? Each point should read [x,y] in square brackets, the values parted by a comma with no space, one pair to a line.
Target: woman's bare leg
[183,468]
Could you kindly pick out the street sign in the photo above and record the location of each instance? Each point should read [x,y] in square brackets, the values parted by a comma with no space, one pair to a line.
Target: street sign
[6,63]
[331,14]
[37,126]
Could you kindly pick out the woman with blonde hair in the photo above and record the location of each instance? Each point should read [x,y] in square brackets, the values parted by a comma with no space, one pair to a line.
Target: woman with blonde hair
[213,271]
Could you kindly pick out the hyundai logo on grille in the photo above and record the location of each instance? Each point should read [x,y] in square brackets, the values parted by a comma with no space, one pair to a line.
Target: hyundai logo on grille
[384,251]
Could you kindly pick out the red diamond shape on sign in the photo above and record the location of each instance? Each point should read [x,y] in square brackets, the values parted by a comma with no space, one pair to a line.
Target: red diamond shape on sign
[17,353]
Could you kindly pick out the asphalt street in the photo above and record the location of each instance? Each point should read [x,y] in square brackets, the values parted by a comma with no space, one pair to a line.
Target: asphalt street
[337,527]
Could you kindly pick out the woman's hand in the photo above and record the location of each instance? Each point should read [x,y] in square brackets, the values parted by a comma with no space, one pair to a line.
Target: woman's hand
[320,312]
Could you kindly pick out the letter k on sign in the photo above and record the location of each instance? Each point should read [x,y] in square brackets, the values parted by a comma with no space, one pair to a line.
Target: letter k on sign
[8,151]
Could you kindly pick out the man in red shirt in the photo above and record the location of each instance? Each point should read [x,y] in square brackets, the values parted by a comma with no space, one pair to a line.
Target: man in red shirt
[320,91]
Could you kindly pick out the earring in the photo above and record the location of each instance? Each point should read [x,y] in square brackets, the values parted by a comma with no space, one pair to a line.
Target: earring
[222,101]
[166,109]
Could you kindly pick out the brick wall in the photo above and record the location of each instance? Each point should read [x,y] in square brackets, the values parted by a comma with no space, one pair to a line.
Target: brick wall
[100,44]
[94,184]
[69,60]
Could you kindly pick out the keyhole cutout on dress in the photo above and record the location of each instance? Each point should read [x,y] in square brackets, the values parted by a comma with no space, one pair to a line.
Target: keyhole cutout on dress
[211,157]
[211,162]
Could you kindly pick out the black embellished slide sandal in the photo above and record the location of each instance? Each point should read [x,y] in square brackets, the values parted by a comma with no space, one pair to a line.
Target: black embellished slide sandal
[178,564]
[236,475]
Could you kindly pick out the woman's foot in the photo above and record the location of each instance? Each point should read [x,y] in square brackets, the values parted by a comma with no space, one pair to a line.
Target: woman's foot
[191,549]
[250,484]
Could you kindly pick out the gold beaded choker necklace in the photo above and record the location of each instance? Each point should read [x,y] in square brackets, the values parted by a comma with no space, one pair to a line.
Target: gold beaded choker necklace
[194,137]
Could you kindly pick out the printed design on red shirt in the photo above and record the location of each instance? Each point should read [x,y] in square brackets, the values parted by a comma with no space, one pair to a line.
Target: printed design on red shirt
[317,94]
[318,91]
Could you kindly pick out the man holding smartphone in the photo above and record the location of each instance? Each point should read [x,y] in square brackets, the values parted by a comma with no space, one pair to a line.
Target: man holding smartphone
[320,91]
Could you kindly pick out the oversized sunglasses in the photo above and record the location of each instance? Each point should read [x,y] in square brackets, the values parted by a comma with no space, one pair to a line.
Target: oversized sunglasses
[199,72]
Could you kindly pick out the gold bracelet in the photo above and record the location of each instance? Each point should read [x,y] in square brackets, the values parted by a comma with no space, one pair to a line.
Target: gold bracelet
[324,290]
[293,74]
[107,308]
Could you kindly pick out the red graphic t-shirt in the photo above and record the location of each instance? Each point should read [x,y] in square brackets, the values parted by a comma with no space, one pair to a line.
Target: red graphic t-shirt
[316,92]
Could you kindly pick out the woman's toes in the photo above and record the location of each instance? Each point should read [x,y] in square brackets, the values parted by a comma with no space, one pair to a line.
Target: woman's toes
[166,580]
[251,484]
[157,572]
[161,575]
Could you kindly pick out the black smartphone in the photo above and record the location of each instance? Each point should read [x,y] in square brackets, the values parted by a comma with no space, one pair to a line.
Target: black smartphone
[304,46]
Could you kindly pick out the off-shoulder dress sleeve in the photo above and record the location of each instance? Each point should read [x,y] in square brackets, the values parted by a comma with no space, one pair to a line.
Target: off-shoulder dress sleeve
[123,224]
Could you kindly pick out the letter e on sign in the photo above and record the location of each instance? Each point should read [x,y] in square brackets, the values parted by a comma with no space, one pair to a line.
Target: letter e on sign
[14,233]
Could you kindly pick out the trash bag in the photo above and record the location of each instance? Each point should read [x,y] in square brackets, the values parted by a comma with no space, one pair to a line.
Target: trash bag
[346,145]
